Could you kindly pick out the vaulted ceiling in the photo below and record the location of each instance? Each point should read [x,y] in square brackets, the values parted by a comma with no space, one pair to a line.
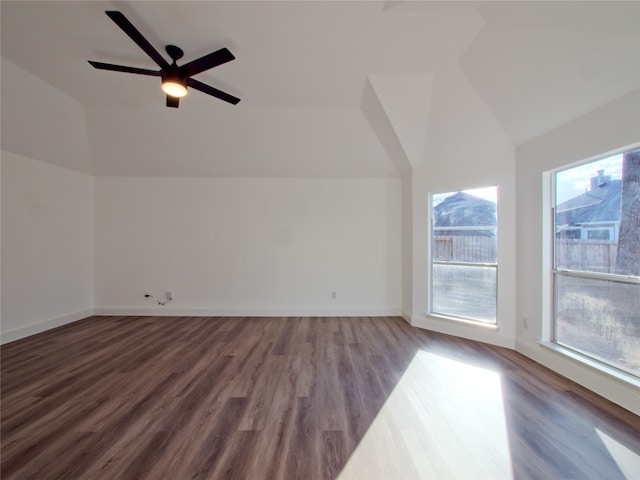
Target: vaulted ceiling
[328,88]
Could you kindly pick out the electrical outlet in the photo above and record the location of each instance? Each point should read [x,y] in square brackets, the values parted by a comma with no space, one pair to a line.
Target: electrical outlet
[169,295]
[525,323]
[333,295]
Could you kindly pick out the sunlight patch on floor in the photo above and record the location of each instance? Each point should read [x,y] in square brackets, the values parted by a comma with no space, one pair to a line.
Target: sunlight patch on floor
[628,461]
[444,419]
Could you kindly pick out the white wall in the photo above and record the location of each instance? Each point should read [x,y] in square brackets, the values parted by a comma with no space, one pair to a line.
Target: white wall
[248,246]
[41,122]
[47,246]
[610,127]
[465,148]
[481,170]
[407,248]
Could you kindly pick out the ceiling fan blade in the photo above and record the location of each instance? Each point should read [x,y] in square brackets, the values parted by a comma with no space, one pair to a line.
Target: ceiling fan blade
[208,61]
[133,33]
[125,69]
[173,101]
[209,90]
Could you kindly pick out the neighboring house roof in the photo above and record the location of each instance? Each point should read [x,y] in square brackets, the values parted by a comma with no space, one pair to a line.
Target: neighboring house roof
[600,204]
[464,210]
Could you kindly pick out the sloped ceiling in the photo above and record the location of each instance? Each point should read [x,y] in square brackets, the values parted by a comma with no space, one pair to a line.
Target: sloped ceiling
[315,79]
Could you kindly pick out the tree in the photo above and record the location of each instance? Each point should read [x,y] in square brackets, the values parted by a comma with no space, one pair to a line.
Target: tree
[628,256]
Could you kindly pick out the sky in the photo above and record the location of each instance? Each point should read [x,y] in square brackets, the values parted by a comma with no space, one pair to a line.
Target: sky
[572,182]
[488,193]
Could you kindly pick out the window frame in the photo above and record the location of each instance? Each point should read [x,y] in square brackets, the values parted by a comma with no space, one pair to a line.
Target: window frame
[549,334]
[431,263]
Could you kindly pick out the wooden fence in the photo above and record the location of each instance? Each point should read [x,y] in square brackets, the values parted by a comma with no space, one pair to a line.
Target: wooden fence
[593,255]
[464,248]
[597,255]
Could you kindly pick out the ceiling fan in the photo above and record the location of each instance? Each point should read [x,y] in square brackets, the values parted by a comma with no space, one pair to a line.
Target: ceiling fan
[175,78]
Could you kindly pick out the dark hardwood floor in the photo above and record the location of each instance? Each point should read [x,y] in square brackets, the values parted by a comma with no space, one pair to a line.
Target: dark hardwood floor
[295,398]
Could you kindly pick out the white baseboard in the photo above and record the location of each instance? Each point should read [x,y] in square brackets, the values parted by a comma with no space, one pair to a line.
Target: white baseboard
[246,312]
[479,333]
[618,391]
[32,329]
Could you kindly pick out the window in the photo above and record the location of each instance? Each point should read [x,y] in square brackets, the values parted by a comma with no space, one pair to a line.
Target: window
[464,269]
[598,234]
[596,267]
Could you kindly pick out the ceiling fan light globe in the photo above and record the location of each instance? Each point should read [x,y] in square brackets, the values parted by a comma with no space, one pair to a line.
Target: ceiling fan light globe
[174,89]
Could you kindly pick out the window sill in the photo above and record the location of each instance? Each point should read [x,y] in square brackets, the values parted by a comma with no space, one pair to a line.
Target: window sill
[600,367]
[463,321]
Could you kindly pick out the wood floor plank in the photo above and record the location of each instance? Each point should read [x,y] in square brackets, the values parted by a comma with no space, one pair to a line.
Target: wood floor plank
[295,398]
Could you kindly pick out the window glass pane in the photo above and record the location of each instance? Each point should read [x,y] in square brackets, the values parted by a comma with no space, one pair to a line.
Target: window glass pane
[599,318]
[596,215]
[464,291]
[597,220]
[464,226]
[598,234]
[464,231]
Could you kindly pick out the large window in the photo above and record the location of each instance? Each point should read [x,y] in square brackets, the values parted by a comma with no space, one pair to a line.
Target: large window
[596,271]
[464,269]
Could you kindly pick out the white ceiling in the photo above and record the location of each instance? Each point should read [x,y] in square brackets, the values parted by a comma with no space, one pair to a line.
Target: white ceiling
[330,88]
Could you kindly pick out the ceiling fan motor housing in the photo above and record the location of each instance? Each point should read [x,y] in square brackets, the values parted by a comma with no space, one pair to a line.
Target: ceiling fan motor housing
[174,75]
